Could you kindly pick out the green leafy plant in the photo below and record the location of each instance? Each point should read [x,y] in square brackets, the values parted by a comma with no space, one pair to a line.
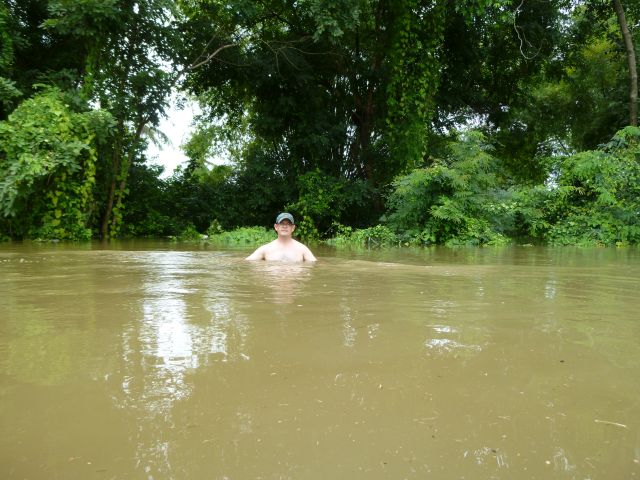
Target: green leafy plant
[48,157]
[453,201]
[190,234]
[322,201]
[245,236]
[372,237]
[596,199]
[214,228]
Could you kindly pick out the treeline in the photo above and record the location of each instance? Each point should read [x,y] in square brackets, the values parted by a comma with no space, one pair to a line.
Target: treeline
[412,122]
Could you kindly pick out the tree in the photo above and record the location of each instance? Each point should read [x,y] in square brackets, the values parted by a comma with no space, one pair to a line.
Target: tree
[130,52]
[30,55]
[576,98]
[492,60]
[631,62]
[595,197]
[8,90]
[116,55]
[346,88]
[48,156]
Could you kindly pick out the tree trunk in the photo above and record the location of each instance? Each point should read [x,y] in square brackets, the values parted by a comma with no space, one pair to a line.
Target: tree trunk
[631,60]
[104,228]
[106,218]
[117,190]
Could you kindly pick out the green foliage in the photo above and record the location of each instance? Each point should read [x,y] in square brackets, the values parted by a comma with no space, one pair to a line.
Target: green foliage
[321,104]
[372,237]
[128,69]
[590,198]
[595,196]
[115,54]
[585,103]
[243,236]
[315,97]
[471,9]
[9,91]
[333,18]
[82,19]
[595,106]
[215,228]
[234,198]
[149,211]
[358,90]
[152,225]
[414,77]
[48,159]
[322,201]
[493,55]
[452,201]
[6,42]
[190,234]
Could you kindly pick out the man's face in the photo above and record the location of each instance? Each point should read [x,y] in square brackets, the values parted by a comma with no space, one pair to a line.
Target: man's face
[285,227]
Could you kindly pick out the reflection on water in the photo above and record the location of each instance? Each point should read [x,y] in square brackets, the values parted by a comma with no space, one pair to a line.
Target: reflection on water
[445,339]
[158,363]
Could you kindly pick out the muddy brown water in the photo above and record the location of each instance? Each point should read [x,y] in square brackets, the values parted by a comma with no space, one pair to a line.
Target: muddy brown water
[150,360]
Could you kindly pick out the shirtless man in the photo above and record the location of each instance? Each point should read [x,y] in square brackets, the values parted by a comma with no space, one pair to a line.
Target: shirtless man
[284,248]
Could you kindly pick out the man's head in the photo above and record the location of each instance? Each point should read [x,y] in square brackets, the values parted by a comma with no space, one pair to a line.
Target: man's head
[284,225]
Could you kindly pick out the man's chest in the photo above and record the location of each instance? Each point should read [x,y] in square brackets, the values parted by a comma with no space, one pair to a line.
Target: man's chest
[292,255]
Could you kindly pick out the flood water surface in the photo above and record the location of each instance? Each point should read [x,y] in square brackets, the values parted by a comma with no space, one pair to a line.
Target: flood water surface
[152,361]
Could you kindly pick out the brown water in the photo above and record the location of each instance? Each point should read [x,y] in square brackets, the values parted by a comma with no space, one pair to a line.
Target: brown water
[153,361]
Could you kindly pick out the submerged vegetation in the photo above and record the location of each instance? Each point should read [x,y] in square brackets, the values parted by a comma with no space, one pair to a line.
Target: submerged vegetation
[375,123]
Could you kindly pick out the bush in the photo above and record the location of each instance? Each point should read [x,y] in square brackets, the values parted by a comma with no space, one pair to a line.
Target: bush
[190,233]
[378,236]
[247,236]
[48,162]
[324,200]
[457,200]
[594,198]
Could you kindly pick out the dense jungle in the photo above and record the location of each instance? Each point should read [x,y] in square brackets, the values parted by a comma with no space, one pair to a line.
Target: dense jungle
[399,122]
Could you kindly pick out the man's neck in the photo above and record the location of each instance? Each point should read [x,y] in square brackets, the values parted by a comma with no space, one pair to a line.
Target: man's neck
[285,240]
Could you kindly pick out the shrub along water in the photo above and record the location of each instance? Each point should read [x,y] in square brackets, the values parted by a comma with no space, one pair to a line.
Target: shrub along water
[589,198]
[244,236]
[455,200]
[594,198]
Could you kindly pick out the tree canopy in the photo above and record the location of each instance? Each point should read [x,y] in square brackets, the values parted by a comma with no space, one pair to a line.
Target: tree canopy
[444,121]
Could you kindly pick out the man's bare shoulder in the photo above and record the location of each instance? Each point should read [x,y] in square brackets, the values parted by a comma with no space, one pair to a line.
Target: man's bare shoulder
[261,252]
[306,253]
